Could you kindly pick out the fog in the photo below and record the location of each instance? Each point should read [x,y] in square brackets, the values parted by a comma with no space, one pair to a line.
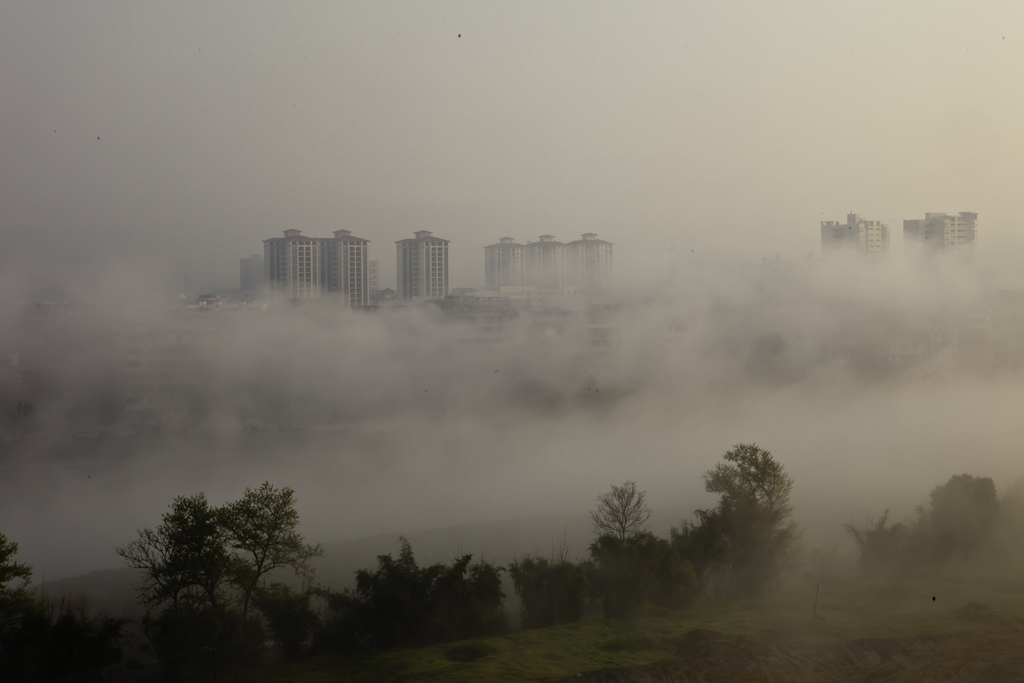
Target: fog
[140,145]
[411,418]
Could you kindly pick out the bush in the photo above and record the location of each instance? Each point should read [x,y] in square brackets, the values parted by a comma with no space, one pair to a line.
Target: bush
[192,643]
[56,641]
[882,548]
[550,593]
[291,617]
[637,570]
[958,524]
[402,604]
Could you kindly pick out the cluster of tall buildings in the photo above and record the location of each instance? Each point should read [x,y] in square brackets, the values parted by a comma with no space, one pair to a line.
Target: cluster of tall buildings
[934,232]
[549,265]
[299,267]
[338,268]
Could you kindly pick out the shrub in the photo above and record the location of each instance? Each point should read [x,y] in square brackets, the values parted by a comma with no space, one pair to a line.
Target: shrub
[550,592]
[639,569]
[403,604]
[290,616]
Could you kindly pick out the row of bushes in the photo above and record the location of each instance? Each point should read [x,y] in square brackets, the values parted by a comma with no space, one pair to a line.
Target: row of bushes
[402,604]
[205,573]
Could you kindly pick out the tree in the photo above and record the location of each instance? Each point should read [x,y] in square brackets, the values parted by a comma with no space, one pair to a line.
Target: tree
[261,526]
[184,561]
[15,600]
[750,473]
[961,515]
[748,537]
[621,512]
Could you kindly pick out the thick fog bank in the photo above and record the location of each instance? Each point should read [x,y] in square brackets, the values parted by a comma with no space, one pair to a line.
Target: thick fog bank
[852,456]
[872,382]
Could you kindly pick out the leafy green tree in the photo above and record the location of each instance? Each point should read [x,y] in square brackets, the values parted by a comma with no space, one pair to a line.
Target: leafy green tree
[551,591]
[746,540]
[262,528]
[184,561]
[621,512]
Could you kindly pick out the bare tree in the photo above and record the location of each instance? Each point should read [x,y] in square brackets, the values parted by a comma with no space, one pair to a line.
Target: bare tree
[622,511]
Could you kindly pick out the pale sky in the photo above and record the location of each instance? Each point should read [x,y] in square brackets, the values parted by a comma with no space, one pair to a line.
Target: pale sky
[180,135]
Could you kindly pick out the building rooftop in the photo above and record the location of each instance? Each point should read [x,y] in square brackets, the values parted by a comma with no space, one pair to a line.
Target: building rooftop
[590,238]
[292,235]
[548,240]
[423,236]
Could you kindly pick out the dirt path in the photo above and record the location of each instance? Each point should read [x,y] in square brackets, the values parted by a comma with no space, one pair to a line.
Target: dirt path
[980,656]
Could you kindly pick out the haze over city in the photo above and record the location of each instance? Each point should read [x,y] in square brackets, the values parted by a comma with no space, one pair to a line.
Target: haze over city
[629,238]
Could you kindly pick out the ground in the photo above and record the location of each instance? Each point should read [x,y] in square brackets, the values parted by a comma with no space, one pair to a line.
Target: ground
[955,628]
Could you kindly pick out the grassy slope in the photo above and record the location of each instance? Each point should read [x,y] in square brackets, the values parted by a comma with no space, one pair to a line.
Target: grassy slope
[845,612]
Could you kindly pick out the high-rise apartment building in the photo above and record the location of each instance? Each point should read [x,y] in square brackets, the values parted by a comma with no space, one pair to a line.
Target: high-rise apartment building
[589,263]
[422,267]
[348,274]
[939,231]
[250,274]
[544,264]
[503,264]
[856,235]
[373,276]
[299,267]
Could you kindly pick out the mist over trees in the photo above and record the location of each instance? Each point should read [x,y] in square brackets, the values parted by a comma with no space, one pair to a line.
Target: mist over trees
[964,524]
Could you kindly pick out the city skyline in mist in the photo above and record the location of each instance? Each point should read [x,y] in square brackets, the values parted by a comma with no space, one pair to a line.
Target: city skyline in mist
[151,140]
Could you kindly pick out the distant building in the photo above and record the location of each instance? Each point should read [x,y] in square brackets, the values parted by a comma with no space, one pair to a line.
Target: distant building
[373,276]
[384,295]
[422,267]
[544,264]
[299,267]
[250,274]
[589,263]
[503,264]
[856,235]
[938,231]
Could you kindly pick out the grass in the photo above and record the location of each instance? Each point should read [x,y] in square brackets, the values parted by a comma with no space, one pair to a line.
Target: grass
[845,612]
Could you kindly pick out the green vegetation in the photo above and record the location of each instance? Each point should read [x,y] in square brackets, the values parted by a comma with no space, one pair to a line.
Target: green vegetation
[40,639]
[403,604]
[846,611]
[197,554]
[721,576]
[965,522]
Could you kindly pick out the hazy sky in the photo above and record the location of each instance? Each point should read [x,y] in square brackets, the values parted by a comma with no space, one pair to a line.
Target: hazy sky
[185,133]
